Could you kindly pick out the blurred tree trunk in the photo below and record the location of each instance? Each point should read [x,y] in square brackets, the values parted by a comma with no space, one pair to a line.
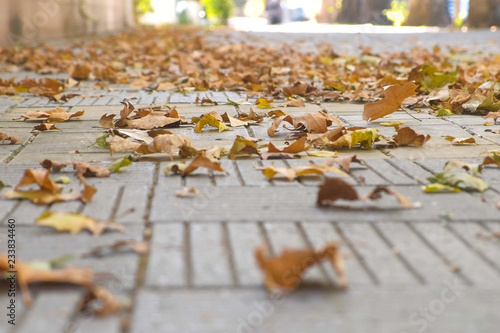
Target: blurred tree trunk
[375,11]
[328,12]
[351,11]
[484,13]
[429,12]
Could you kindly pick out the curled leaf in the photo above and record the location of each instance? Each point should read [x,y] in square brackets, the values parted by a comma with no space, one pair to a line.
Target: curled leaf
[210,120]
[11,138]
[460,141]
[285,271]
[298,171]
[243,145]
[392,101]
[407,136]
[75,223]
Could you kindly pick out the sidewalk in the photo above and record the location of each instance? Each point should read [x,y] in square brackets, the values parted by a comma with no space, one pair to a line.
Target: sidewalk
[428,269]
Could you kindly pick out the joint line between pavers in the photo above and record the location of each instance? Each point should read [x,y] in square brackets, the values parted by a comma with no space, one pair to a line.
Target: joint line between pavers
[419,277]
[361,260]
[188,257]
[16,152]
[474,250]
[227,244]
[265,236]
[440,255]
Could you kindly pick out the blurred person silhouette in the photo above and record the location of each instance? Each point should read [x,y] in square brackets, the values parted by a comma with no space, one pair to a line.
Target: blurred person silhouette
[274,12]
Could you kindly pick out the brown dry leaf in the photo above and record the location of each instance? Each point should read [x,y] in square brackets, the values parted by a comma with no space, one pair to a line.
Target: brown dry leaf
[312,122]
[75,223]
[494,158]
[298,89]
[56,115]
[392,101]
[296,147]
[298,171]
[139,84]
[118,144]
[211,119]
[107,303]
[334,189]
[40,178]
[233,121]
[294,102]
[107,121]
[201,161]
[139,247]
[127,110]
[460,141]
[242,145]
[493,115]
[82,169]
[345,161]
[26,275]
[205,100]
[11,138]
[251,117]
[172,143]
[81,71]
[406,136]
[46,127]
[187,192]
[285,271]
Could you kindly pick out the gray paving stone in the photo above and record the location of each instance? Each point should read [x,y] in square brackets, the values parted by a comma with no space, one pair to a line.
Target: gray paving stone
[283,203]
[383,310]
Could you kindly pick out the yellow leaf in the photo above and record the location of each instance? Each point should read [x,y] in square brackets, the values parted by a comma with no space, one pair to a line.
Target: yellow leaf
[392,101]
[210,120]
[322,153]
[393,123]
[75,222]
[263,103]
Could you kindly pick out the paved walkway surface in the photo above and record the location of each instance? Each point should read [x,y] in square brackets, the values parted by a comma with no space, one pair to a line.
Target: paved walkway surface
[429,269]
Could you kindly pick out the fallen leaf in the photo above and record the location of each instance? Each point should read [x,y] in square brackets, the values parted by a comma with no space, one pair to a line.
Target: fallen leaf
[75,223]
[251,117]
[171,144]
[46,127]
[81,71]
[334,189]
[200,161]
[205,100]
[472,168]
[285,271]
[392,101]
[494,158]
[393,123]
[139,247]
[288,152]
[210,120]
[118,144]
[25,275]
[102,141]
[242,145]
[351,137]
[40,178]
[406,136]
[233,121]
[322,153]
[11,138]
[298,89]
[440,188]
[82,169]
[345,161]
[460,141]
[493,115]
[298,171]
[119,164]
[263,103]
[107,304]
[186,192]
[312,122]
[107,121]
[294,102]
[56,115]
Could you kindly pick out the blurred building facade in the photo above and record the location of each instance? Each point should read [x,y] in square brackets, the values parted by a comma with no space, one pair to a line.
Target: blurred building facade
[32,21]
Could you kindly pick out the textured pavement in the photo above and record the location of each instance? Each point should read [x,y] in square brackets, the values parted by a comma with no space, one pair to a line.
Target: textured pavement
[429,269]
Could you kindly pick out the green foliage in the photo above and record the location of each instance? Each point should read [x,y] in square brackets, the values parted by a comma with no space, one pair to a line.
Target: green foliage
[398,12]
[142,7]
[219,10]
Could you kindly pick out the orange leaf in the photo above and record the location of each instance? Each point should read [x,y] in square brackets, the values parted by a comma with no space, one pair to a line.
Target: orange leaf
[392,101]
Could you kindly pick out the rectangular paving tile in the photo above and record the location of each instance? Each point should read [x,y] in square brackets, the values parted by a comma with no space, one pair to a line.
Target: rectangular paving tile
[363,310]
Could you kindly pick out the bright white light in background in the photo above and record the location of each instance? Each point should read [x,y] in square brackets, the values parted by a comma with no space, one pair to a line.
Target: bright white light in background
[254,8]
[181,6]
[164,12]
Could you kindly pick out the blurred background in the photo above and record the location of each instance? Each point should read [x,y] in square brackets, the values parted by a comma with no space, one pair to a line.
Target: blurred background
[25,21]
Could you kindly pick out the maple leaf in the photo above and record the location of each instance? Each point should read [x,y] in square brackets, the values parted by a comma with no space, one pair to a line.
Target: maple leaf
[285,271]
[350,137]
[11,138]
[242,145]
[211,119]
[293,102]
[81,71]
[297,89]
[251,117]
[205,100]
[392,101]
[312,122]
[107,121]
[46,127]
[118,144]
[263,103]
[334,189]
[298,171]
[406,136]
[75,223]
